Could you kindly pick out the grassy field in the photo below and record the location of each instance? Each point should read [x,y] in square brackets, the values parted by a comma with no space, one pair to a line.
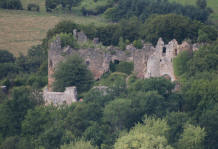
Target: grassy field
[19,30]
[211,3]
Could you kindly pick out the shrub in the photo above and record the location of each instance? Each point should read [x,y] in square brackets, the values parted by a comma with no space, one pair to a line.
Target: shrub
[124,67]
[180,63]
[63,27]
[138,43]
[33,7]
[11,4]
[6,57]
[68,40]
[52,4]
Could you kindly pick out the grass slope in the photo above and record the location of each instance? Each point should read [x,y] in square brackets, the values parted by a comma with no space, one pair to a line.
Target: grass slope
[211,3]
[19,30]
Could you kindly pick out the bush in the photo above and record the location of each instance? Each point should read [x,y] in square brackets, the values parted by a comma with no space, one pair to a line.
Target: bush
[33,7]
[52,4]
[180,63]
[138,44]
[63,27]
[73,72]
[68,40]
[11,4]
[124,67]
[6,57]
[8,69]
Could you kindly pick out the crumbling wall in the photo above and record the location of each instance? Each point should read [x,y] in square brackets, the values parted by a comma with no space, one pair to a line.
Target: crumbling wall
[58,98]
[148,62]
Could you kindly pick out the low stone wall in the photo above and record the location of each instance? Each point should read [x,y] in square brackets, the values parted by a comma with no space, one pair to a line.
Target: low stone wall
[58,98]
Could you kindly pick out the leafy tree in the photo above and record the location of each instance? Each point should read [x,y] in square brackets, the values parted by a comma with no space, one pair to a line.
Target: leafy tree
[119,113]
[10,143]
[149,135]
[192,138]
[117,83]
[73,72]
[11,4]
[205,59]
[170,26]
[149,103]
[13,111]
[180,62]
[208,120]
[6,57]
[176,121]
[201,4]
[82,117]
[8,69]
[161,85]
[207,34]
[80,144]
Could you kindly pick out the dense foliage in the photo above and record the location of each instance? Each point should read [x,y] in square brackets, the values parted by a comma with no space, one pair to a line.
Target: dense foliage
[170,26]
[11,4]
[68,4]
[73,72]
[144,8]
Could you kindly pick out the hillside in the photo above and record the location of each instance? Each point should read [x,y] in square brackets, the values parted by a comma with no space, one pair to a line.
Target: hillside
[19,30]
[211,3]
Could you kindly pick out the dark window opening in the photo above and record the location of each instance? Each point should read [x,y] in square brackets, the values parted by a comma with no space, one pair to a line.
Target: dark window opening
[87,63]
[160,60]
[116,62]
[50,63]
[175,52]
[164,51]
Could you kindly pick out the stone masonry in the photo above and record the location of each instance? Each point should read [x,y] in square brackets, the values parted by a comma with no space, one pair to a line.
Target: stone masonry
[58,98]
[148,62]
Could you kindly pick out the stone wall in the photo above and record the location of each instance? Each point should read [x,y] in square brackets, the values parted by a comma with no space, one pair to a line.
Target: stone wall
[58,98]
[148,62]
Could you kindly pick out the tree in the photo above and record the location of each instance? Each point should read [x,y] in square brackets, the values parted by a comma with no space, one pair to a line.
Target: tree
[208,120]
[73,72]
[149,135]
[13,111]
[170,26]
[11,4]
[192,138]
[119,113]
[6,57]
[180,62]
[201,4]
[80,144]
[176,121]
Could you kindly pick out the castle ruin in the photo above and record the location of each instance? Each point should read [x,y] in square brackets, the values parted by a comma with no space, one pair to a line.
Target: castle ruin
[148,62]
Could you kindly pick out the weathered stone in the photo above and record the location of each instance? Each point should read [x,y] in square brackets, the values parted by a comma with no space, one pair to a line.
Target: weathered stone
[148,62]
[58,98]
[81,37]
